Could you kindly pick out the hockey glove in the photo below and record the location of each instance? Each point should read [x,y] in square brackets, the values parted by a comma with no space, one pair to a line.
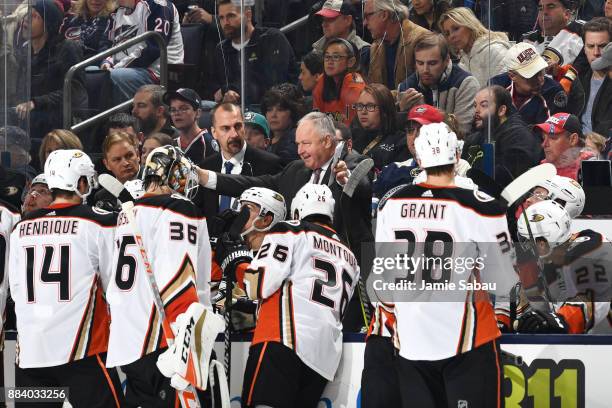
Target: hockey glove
[187,360]
[536,321]
[230,253]
[221,223]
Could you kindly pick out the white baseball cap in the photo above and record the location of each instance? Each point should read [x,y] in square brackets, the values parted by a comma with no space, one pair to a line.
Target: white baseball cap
[524,59]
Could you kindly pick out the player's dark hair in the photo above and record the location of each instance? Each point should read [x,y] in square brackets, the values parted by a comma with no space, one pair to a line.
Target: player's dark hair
[152,180]
[441,170]
[318,218]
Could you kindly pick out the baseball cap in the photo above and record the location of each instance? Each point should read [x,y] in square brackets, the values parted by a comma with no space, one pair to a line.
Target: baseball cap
[425,114]
[605,61]
[334,8]
[186,94]
[256,119]
[561,122]
[525,60]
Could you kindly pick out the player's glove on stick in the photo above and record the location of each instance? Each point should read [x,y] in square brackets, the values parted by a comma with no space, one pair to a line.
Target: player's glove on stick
[536,321]
[230,253]
[187,360]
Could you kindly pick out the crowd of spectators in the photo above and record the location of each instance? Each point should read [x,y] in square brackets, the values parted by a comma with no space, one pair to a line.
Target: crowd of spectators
[379,68]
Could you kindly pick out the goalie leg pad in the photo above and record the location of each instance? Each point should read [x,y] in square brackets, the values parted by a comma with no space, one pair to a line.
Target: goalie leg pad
[187,360]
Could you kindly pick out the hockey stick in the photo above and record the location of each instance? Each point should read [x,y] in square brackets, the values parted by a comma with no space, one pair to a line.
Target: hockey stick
[357,174]
[234,233]
[188,398]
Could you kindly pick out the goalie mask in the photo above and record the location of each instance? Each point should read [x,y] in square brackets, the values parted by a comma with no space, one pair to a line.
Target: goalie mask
[64,169]
[174,169]
[269,201]
[547,220]
[566,192]
[436,146]
[313,199]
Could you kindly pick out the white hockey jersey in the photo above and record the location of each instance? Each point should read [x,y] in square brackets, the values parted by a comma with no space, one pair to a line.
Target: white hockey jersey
[176,240]
[59,260]
[306,277]
[9,216]
[456,238]
[148,15]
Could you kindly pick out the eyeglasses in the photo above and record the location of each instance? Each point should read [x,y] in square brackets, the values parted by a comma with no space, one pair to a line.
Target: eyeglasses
[182,109]
[334,57]
[370,107]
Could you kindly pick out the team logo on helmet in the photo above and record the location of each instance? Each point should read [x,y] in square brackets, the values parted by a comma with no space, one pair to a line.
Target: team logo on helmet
[536,218]
[76,155]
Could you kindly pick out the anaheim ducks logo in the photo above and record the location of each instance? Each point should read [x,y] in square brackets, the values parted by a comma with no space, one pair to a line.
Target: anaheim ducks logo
[278,197]
[536,218]
[415,171]
[76,155]
[575,184]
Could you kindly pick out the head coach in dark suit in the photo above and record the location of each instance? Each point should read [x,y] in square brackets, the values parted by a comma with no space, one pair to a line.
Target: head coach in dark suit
[235,156]
[316,145]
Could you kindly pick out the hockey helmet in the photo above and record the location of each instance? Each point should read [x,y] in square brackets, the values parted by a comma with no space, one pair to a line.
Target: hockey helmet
[313,199]
[436,145]
[567,192]
[547,219]
[64,169]
[175,170]
[269,201]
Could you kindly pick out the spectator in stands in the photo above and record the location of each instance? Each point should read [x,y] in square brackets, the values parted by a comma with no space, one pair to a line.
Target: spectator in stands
[139,64]
[597,78]
[481,51]
[16,142]
[439,82]
[558,37]
[257,130]
[426,13]
[311,69]
[199,13]
[338,89]
[124,122]
[343,134]
[149,110]
[37,196]
[283,106]
[235,155]
[55,140]
[185,110]
[337,22]
[608,8]
[270,59]
[534,95]
[51,57]
[89,24]
[596,143]
[516,148]
[390,59]
[376,133]
[563,144]
[152,142]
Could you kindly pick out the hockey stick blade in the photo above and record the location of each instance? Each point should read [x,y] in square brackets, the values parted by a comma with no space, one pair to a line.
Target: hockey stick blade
[114,186]
[484,182]
[359,172]
[528,180]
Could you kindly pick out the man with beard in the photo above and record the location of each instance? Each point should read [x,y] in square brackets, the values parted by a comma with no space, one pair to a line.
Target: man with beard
[270,58]
[151,113]
[516,148]
[195,142]
[235,156]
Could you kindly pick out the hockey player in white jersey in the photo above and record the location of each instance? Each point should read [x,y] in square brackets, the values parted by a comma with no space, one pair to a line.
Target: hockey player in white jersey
[140,64]
[304,277]
[59,263]
[563,190]
[175,238]
[578,272]
[448,349]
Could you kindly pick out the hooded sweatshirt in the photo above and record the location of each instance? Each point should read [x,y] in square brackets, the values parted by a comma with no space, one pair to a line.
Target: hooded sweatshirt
[477,60]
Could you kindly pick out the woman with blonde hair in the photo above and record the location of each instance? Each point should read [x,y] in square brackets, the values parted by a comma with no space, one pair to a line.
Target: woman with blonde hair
[481,51]
[88,22]
[57,139]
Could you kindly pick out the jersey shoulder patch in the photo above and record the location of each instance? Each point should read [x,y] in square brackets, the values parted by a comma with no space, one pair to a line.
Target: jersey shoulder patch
[391,193]
[586,242]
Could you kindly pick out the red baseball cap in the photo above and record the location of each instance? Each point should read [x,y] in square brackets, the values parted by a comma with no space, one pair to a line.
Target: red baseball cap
[425,115]
[561,122]
[335,8]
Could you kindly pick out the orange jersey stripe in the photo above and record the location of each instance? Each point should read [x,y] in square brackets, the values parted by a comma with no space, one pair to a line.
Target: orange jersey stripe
[263,350]
[108,379]
[269,320]
[574,317]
